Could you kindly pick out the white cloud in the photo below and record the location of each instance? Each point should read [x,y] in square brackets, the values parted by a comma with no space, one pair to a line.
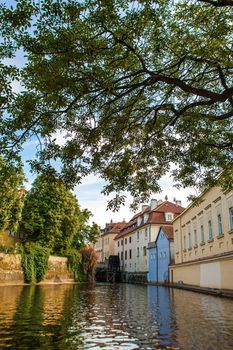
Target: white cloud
[61,137]
[89,196]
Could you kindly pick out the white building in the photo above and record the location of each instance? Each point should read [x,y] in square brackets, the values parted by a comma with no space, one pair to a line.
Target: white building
[132,241]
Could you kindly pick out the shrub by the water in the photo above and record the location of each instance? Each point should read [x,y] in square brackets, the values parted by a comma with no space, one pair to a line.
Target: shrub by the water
[34,262]
[89,262]
[74,259]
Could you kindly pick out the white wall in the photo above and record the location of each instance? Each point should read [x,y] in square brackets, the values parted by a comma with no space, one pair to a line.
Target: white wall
[210,275]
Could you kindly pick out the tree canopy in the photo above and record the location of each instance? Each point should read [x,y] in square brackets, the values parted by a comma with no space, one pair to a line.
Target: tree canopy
[137,88]
[11,179]
[52,217]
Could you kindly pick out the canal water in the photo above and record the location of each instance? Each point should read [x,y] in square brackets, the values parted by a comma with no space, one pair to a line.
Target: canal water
[118,316]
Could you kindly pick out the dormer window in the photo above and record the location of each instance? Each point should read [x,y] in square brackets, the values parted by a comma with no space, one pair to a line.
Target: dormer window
[139,220]
[169,216]
[145,217]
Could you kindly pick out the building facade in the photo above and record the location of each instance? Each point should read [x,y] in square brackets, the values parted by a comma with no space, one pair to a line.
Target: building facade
[161,255]
[132,241]
[105,245]
[203,242]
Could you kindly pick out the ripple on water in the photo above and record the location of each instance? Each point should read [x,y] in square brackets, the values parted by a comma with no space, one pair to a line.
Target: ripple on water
[113,317]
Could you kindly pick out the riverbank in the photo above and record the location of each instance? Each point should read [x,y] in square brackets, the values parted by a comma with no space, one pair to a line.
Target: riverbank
[11,272]
[227,293]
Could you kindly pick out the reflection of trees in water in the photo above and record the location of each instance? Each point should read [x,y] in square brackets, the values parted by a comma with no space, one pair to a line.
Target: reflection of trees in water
[9,296]
[40,321]
[63,316]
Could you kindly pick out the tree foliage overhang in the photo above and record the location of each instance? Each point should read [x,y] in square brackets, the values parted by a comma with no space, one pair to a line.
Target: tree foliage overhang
[135,87]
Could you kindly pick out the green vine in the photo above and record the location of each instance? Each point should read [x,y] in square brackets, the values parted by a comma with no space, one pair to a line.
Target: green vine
[34,262]
[75,264]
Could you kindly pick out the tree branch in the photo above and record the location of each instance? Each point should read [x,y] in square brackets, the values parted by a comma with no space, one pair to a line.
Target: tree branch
[218,3]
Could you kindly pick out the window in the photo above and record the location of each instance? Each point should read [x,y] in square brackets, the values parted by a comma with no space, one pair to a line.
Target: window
[220,232]
[125,240]
[121,255]
[210,229]
[146,233]
[169,216]
[202,233]
[138,235]
[130,253]
[126,255]
[139,220]
[177,240]
[189,240]
[231,218]
[144,251]
[130,239]
[118,243]
[122,242]
[137,251]
[195,236]
[185,242]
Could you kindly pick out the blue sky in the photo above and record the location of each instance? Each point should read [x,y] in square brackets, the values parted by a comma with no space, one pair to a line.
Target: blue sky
[89,192]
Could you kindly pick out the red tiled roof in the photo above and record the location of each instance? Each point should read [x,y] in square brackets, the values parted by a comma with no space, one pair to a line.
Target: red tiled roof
[116,227]
[169,207]
[156,216]
[168,231]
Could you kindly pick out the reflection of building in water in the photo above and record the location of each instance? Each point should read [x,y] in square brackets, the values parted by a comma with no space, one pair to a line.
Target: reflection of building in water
[162,320]
[202,321]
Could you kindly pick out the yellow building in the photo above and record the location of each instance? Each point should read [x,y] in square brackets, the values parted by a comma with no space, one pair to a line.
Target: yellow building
[105,244]
[203,242]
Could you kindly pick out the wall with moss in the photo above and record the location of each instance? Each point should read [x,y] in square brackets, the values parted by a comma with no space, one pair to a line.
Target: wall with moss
[6,240]
[11,270]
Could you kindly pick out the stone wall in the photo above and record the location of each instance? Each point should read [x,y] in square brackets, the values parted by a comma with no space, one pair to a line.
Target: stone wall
[11,270]
[57,271]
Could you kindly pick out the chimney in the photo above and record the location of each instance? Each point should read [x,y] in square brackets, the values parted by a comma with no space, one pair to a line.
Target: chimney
[179,203]
[144,206]
[153,204]
[160,202]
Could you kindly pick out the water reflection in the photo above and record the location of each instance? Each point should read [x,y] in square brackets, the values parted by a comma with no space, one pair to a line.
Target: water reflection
[113,317]
[203,321]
